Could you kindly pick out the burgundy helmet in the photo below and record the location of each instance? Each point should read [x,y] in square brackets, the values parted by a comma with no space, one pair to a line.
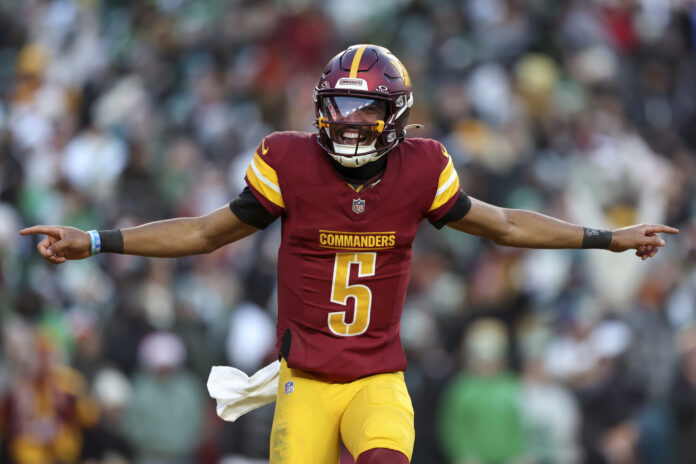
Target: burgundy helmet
[362,103]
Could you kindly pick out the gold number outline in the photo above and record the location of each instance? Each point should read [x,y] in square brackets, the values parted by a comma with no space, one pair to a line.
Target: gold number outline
[361,294]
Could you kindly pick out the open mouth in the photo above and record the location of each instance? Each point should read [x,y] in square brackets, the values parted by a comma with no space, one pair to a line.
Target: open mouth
[352,137]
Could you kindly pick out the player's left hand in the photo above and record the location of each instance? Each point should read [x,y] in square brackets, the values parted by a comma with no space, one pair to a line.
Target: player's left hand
[643,238]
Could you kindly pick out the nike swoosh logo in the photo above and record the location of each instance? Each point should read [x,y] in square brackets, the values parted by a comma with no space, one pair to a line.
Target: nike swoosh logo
[264,150]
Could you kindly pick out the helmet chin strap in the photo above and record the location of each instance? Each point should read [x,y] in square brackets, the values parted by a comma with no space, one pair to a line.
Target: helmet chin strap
[356,161]
[342,149]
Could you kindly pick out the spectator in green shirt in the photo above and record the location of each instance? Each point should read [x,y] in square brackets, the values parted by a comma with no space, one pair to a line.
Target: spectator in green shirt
[163,420]
[479,418]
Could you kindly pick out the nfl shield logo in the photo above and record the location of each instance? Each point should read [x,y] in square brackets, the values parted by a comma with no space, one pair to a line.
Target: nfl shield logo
[358,206]
[289,387]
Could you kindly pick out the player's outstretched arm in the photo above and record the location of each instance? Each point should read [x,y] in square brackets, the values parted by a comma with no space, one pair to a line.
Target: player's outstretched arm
[165,239]
[528,229]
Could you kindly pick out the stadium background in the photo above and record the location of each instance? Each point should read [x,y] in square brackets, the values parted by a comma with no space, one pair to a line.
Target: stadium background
[114,113]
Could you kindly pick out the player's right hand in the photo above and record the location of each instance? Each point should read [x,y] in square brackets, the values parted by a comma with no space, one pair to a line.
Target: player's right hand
[61,244]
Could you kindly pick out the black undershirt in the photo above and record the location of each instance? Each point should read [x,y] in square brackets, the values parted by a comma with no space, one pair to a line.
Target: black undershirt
[365,174]
[251,211]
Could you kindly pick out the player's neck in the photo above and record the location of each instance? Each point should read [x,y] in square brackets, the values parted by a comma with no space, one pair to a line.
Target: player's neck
[363,174]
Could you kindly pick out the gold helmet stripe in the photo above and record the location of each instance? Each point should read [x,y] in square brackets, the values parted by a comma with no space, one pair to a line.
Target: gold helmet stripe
[356,62]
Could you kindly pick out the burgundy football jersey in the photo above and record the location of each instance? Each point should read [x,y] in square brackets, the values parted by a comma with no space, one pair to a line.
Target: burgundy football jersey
[345,253]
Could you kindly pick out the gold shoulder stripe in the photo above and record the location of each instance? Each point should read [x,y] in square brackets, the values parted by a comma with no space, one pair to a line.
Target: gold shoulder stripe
[355,65]
[265,180]
[265,170]
[447,187]
[445,174]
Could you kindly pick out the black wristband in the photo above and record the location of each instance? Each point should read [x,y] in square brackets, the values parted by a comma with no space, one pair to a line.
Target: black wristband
[111,241]
[591,238]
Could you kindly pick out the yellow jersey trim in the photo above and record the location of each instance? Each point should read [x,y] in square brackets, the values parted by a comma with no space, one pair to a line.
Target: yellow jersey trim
[447,186]
[265,180]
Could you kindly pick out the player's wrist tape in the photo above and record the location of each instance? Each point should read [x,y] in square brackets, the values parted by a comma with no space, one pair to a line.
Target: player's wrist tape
[596,238]
[111,241]
[95,243]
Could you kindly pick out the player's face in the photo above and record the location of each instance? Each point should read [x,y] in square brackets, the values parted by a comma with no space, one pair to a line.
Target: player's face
[355,115]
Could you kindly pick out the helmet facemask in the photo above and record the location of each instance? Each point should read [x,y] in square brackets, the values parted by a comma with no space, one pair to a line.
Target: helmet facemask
[354,126]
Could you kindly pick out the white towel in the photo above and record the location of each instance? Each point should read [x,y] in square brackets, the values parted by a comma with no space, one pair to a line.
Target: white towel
[237,394]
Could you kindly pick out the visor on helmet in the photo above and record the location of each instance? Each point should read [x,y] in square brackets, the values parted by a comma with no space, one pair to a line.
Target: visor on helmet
[352,123]
[353,109]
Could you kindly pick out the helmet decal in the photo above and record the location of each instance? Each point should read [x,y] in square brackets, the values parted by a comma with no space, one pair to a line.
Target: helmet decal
[351,83]
[402,71]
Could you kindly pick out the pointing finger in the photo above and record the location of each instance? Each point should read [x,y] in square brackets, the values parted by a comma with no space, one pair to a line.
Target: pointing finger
[46,230]
[657,229]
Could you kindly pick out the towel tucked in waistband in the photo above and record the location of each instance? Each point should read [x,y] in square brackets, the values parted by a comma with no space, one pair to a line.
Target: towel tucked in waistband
[236,393]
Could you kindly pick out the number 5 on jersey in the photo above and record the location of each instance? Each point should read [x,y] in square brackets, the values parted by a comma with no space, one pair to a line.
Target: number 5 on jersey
[341,291]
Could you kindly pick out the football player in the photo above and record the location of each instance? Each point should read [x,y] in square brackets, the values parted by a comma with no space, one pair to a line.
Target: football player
[350,198]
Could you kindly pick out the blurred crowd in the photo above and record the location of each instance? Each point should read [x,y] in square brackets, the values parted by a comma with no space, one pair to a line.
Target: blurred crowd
[115,113]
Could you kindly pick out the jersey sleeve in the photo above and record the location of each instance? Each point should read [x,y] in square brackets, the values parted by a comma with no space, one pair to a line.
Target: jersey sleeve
[447,191]
[251,211]
[262,179]
[457,211]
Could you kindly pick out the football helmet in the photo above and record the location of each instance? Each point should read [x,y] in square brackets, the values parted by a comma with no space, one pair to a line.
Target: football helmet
[362,102]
